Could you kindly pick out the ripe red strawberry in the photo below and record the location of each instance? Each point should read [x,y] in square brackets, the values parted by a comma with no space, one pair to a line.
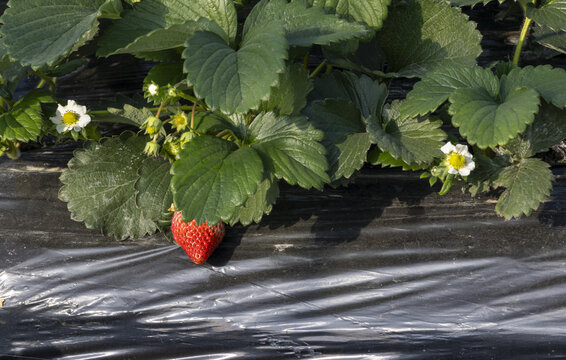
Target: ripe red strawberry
[197,241]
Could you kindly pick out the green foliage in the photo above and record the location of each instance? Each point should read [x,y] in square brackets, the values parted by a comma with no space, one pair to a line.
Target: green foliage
[290,149]
[239,104]
[236,80]
[99,187]
[25,120]
[437,86]
[549,82]
[368,95]
[488,121]
[555,40]
[163,77]
[422,35]
[64,25]
[150,15]
[486,172]
[304,26]
[257,204]
[289,97]
[385,159]
[548,129]
[153,192]
[552,14]
[129,115]
[345,137]
[213,177]
[411,140]
[171,37]
[370,12]
[527,184]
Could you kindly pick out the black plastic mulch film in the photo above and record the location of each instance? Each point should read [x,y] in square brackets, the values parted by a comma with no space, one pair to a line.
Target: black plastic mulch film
[383,269]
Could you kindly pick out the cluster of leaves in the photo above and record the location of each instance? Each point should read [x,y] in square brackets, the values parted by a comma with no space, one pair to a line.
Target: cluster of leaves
[238,108]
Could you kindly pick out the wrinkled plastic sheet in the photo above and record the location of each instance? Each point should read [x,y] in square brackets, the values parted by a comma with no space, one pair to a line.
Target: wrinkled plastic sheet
[383,269]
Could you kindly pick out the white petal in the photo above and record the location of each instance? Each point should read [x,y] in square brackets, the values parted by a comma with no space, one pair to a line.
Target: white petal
[471,165]
[464,171]
[452,171]
[61,128]
[83,121]
[447,148]
[57,119]
[77,127]
[461,149]
[71,103]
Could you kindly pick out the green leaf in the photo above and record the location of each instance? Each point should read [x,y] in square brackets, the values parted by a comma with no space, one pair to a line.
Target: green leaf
[486,121]
[304,26]
[153,192]
[148,16]
[437,86]
[549,82]
[370,12]
[236,81]
[486,172]
[527,184]
[38,32]
[385,159]
[421,36]
[65,68]
[290,95]
[165,76]
[213,177]
[127,115]
[99,187]
[24,121]
[555,40]
[111,9]
[548,129]
[345,136]
[411,140]
[173,36]
[551,15]
[257,204]
[368,95]
[290,149]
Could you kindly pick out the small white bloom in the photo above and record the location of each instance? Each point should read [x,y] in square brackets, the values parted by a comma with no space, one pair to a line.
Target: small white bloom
[458,159]
[70,117]
[152,89]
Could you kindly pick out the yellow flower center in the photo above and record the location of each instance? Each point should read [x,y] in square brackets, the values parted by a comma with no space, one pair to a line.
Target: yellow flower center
[456,160]
[70,118]
[180,121]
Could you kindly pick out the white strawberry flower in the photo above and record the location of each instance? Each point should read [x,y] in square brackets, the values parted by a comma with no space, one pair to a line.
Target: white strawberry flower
[152,89]
[458,159]
[70,117]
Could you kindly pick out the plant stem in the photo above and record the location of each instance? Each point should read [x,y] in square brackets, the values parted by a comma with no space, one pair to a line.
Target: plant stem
[153,109]
[520,43]
[318,69]
[193,116]
[306,60]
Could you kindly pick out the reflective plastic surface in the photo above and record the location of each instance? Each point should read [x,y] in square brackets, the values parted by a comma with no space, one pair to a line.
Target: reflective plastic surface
[384,269]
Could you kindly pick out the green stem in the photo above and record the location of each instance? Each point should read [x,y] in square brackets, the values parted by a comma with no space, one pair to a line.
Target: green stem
[153,109]
[306,60]
[318,69]
[46,79]
[521,41]
[189,97]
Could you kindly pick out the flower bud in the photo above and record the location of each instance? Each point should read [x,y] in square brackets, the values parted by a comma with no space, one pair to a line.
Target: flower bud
[186,137]
[152,125]
[151,148]
[180,121]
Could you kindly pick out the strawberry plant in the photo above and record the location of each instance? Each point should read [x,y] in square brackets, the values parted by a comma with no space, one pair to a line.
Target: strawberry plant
[243,95]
